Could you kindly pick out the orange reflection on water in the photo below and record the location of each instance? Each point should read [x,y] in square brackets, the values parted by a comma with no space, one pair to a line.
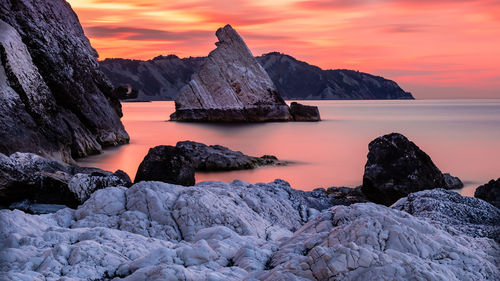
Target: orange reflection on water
[460,136]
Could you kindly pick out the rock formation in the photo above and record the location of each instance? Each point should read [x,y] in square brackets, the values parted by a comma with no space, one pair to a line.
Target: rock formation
[230,86]
[177,164]
[299,80]
[220,158]
[54,100]
[162,77]
[397,167]
[489,192]
[36,180]
[302,112]
[454,213]
[239,231]
[167,164]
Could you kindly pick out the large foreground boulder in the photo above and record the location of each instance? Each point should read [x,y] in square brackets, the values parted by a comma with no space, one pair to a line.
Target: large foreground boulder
[397,167]
[489,192]
[230,86]
[54,100]
[167,164]
[36,180]
[236,231]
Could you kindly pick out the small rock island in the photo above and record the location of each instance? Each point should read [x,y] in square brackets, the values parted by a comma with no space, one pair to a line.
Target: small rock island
[231,86]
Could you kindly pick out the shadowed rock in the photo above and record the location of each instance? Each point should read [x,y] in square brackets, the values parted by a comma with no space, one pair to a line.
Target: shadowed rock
[220,158]
[489,192]
[397,167]
[230,86]
[302,112]
[36,180]
[452,182]
[54,100]
[167,164]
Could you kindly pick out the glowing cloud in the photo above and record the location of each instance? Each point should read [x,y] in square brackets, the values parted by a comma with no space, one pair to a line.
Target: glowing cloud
[434,48]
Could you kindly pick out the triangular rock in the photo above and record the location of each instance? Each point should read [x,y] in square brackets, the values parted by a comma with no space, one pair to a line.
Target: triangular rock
[231,86]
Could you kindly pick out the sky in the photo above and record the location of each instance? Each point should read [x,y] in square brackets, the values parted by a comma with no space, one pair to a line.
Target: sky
[436,49]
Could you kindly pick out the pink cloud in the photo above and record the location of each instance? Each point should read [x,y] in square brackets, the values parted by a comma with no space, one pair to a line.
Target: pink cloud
[432,43]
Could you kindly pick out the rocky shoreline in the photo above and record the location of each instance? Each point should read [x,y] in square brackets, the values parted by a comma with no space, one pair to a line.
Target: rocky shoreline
[116,230]
[64,222]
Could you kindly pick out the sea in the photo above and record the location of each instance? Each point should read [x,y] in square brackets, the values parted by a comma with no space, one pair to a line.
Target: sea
[461,136]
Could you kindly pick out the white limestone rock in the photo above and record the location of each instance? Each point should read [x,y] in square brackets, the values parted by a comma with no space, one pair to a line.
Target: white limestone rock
[372,242]
[230,86]
[453,213]
[235,231]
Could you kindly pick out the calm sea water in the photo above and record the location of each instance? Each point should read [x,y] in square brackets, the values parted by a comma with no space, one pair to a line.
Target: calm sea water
[461,136]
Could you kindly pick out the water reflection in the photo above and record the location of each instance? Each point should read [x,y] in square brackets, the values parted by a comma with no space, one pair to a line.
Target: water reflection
[461,137]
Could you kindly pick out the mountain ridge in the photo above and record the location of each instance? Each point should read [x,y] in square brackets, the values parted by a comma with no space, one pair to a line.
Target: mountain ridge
[161,77]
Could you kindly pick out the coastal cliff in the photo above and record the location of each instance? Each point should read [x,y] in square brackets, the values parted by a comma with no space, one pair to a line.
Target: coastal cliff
[162,77]
[54,100]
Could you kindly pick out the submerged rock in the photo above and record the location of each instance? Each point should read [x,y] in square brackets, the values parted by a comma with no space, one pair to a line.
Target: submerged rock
[236,231]
[489,192]
[54,100]
[397,167]
[167,164]
[230,86]
[302,112]
[33,179]
[220,158]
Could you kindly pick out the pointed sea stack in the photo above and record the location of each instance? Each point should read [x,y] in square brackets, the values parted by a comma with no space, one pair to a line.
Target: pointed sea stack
[231,86]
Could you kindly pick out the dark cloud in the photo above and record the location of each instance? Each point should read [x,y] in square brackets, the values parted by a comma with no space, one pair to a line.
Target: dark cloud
[132,33]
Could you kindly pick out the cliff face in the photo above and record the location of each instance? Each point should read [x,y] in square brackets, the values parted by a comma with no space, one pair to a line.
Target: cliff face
[299,80]
[230,86]
[162,77]
[54,100]
[158,79]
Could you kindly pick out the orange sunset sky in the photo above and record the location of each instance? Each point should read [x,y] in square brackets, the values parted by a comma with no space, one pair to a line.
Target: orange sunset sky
[432,48]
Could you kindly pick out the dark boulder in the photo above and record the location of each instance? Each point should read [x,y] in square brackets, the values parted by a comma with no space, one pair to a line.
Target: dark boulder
[36,180]
[489,192]
[167,164]
[346,195]
[302,112]
[220,158]
[397,167]
[125,92]
[452,182]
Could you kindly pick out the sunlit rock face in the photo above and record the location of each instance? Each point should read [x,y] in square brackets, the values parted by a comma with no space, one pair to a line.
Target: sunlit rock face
[54,100]
[240,231]
[230,86]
